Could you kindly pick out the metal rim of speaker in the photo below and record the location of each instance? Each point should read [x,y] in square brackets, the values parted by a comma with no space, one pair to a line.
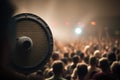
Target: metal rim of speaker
[43,24]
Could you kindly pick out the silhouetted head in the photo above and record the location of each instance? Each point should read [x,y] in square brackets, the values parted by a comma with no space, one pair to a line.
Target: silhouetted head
[82,70]
[111,57]
[93,61]
[6,12]
[115,68]
[55,56]
[76,59]
[58,67]
[104,64]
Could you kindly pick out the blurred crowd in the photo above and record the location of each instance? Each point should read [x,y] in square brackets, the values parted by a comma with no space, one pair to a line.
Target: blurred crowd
[82,60]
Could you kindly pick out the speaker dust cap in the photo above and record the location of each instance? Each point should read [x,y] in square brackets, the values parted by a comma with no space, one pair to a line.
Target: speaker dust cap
[33,45]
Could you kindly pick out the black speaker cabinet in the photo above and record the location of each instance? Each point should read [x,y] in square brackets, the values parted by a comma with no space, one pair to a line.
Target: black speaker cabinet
[32,45]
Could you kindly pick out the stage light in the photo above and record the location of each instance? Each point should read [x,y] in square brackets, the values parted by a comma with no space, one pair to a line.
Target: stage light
[78,30]
[93,23]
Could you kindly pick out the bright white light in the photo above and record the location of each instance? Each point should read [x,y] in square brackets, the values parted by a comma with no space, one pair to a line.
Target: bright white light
[78,30]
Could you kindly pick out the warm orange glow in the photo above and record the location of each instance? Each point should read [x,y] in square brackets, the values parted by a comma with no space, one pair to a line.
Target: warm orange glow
[93,23]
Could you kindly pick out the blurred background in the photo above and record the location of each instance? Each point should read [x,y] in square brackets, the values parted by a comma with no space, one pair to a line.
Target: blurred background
[76,19]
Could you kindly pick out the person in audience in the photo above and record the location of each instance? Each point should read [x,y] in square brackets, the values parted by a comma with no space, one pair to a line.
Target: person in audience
[115,68]
[58,70]
[111,57]
[81,71]
[97,54]
[81,54]
[76,60]
[7,10]
[55,56]
[92,69]
[105,74]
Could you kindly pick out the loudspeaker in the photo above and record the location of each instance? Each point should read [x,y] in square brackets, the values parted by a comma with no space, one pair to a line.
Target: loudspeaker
[32,44]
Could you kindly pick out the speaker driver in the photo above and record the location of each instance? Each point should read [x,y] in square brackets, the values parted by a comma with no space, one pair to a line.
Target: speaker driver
[33,44]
